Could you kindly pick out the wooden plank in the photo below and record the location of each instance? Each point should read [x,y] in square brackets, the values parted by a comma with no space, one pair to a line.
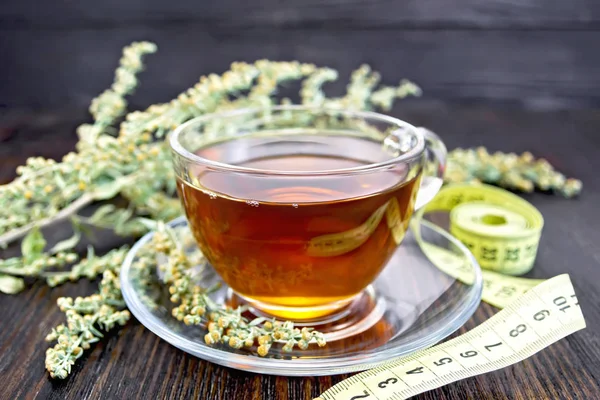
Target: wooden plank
[573,14]
[543,69]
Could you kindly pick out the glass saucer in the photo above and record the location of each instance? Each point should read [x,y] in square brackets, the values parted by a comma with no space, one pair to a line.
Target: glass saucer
[412,305]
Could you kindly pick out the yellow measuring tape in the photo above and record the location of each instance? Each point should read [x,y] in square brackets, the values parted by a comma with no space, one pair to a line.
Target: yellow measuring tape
[502,231]
[546,313]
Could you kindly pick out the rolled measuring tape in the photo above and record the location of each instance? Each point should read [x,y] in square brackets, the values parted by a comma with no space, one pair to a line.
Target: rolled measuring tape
[501,229]
[545,314]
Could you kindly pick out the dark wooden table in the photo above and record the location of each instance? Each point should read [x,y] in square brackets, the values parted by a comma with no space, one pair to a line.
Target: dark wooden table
[134,363]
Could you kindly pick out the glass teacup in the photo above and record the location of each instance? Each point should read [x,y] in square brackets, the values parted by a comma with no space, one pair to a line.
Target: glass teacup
[299,209]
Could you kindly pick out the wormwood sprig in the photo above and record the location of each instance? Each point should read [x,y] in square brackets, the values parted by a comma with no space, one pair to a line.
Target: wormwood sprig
[132,160]
[46,192]
[34,261]
[88,317]
[518,172]
[225,325]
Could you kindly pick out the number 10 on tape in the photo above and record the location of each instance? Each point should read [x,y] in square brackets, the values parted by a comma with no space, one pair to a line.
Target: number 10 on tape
[545,314]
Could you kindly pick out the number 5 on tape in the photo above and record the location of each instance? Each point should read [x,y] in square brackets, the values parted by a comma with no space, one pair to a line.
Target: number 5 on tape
[545,314]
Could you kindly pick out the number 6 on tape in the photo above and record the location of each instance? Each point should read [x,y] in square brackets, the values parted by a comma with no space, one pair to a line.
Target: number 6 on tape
[543,315]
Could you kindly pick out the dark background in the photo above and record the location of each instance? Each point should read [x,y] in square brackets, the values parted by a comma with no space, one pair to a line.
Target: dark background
[520,75]
[541,54]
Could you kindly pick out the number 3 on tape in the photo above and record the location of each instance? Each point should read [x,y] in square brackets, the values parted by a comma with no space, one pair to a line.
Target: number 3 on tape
[543,315]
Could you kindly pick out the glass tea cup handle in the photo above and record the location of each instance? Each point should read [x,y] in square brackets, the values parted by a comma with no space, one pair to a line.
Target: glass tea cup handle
[433,171]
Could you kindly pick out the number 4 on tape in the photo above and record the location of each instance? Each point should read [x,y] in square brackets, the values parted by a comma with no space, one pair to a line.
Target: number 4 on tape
[543,315]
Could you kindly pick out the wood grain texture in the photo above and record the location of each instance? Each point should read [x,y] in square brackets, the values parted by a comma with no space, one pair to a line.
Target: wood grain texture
[372,14]
[132,363]
[541,70]
[537,53]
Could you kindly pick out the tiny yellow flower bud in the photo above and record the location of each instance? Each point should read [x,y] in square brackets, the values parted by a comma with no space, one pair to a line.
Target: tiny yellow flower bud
[28,194]
[288,346]
[77,351]
[81,185]
[526,157]
[263,350]
[265,339]
[208,339]
[248,342]
[303,345]
[305,334]
[198,310]
[235,342]
[281,335]
[48,188]
[268,325]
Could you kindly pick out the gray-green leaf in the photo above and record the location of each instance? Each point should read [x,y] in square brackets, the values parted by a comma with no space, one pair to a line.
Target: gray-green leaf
[10,284]
[102,212]
[148,223]
[67,244]
[33,244]
[257,321]
[108,190]
[123,216]
[90,253]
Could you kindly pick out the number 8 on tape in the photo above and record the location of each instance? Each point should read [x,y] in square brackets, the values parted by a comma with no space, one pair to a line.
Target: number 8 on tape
[543,315]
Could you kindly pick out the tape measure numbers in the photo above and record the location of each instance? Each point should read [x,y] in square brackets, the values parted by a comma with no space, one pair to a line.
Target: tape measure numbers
[538,318]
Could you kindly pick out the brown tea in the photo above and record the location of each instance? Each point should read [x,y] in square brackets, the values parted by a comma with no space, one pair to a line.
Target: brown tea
[298,240]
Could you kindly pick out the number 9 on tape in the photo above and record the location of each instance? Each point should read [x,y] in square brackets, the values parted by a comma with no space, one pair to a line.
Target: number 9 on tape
[543,315]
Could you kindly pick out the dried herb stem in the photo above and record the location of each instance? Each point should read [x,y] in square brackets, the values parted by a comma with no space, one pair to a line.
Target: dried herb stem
[9,237]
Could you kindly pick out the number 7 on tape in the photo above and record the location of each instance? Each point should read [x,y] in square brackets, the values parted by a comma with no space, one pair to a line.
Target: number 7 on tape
[543,315]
